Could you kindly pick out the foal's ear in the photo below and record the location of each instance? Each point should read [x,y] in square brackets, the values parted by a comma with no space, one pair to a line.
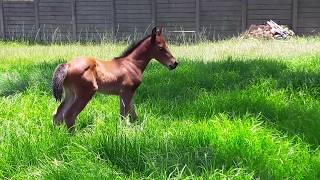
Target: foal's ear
[159,31]
[154,34]
[155,31]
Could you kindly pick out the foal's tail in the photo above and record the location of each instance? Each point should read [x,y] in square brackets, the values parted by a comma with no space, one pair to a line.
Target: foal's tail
[58,78]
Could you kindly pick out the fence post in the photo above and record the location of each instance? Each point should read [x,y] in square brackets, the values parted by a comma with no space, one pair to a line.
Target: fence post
[197,16]
[154,12]
[36,18]
[36,14]
[2,29]
[244,15]
[74,20]
[113,21]
[294,15]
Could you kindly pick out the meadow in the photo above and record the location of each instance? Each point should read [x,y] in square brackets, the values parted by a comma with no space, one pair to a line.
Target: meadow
[233,109]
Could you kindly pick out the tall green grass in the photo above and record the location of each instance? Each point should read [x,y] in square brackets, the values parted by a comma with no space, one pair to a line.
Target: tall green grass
[238,109]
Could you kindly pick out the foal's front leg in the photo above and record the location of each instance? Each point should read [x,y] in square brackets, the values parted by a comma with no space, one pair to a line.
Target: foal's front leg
[133,114]
[127,106]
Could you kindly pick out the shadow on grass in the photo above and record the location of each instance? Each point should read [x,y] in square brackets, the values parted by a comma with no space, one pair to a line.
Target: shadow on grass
[198,91]
[284,96]
[200,149]
[22,77]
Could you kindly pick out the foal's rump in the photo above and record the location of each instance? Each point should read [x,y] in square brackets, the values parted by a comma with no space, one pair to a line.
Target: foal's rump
[77,74]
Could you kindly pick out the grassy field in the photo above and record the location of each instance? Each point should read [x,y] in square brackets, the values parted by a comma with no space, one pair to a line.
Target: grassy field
[237,109]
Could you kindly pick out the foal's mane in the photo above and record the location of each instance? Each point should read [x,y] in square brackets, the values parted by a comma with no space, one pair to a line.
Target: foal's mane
[132,47]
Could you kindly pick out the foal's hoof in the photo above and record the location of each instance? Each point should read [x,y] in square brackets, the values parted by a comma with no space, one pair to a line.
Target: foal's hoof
[133,119]
[56,124]
[56,121]
[125,121]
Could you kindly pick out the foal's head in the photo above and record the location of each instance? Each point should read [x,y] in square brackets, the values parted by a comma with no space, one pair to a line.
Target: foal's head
[160,50]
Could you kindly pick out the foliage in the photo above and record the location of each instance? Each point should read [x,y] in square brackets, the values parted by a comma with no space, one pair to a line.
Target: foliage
[238,109]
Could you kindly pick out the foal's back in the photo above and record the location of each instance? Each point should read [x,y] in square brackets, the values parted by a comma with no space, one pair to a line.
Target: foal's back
[106,75]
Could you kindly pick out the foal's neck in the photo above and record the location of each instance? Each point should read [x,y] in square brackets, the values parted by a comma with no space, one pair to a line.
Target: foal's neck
[141,55]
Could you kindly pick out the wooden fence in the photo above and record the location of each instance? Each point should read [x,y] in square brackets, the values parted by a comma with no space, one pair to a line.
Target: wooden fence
[99,19]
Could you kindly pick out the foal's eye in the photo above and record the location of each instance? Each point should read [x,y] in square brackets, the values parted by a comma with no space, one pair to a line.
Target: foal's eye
[161,48]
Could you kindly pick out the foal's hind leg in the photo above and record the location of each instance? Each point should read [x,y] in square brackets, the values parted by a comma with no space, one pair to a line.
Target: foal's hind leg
[63,107]
[58,115]
[84,88]
[78,105]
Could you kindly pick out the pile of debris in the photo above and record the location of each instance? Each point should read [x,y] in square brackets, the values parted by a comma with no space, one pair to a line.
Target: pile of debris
[270,30]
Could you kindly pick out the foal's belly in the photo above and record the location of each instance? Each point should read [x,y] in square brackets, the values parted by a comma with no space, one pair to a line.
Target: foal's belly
[109,88]
[108,80]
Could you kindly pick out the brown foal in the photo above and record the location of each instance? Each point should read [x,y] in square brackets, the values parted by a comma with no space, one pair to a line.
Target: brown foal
[82,77]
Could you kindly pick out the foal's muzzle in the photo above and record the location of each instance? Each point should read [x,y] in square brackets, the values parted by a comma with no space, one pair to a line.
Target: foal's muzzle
[173,66]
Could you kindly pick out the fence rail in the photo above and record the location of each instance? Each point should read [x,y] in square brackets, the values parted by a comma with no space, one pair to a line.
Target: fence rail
[98,19]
